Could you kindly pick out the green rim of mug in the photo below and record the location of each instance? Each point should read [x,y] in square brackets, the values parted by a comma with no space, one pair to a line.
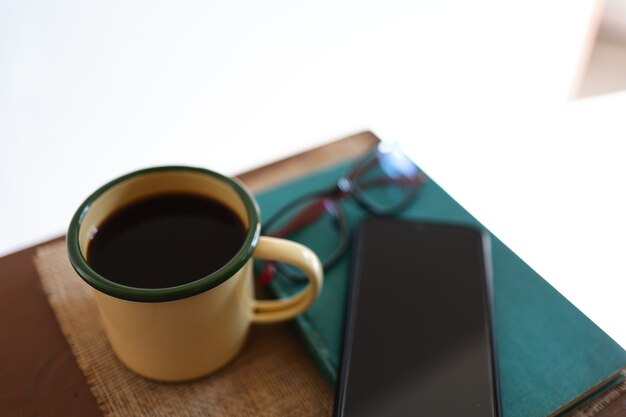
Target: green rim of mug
[91,277]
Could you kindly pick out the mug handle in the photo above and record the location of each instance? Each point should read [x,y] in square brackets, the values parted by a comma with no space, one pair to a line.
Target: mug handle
[275,249]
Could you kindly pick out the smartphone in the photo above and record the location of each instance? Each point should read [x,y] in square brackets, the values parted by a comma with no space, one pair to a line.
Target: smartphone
[418,334]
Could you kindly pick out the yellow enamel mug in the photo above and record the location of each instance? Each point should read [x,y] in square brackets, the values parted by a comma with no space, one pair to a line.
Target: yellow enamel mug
[187,331]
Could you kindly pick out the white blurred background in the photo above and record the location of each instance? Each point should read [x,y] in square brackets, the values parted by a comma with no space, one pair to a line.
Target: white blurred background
[484,95]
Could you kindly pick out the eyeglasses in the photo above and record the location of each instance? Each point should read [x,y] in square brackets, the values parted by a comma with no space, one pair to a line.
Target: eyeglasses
[384,182]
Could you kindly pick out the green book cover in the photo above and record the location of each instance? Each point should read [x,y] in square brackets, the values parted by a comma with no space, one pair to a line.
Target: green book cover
[548,352]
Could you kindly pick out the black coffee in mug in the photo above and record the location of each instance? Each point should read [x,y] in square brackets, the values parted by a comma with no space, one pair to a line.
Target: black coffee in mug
[165,241]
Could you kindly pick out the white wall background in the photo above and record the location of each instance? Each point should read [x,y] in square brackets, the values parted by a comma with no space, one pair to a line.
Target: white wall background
[477,92]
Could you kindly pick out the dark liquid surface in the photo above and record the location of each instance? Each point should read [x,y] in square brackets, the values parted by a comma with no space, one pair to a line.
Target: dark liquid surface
[165,241]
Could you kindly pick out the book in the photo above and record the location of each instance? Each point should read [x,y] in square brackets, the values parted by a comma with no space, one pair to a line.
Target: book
[549,354]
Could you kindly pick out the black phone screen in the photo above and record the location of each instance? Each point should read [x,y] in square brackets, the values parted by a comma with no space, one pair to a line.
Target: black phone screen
[418,330]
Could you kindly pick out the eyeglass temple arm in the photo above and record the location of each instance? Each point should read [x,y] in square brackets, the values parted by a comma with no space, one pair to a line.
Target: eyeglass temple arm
[383,181]
[306,216]
[363,167]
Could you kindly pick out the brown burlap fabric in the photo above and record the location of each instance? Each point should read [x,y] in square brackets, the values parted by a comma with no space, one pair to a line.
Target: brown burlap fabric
[272,376]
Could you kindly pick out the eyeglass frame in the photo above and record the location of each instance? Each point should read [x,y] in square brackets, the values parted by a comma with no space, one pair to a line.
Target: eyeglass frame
[344,187]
